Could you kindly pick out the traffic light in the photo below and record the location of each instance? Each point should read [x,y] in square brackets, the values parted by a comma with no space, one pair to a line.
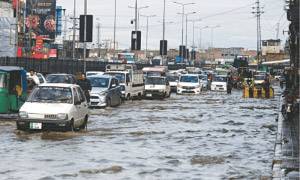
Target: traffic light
[163,50]
[182,51]
[89,28]
[136,40]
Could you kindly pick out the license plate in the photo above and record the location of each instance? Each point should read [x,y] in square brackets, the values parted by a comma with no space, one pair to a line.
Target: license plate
[149,95]
[35,126]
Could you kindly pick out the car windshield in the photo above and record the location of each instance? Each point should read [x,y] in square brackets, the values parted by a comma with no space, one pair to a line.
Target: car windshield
[99,82]
[119,76]
[2,80]
[260,77]
[220,79]
[172,78]
[157,81]
[59,79]
[153,73]
[51,95]
[189,79]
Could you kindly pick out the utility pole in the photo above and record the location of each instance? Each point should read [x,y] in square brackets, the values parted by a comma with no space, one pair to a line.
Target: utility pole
[17,29]
[212,40]
[99,43]
[277,31]
[200,36]
[115,24]
[85,28]
[258,11]
[74,31]
[182,13]
[65,33]
[164,31]
[147,32]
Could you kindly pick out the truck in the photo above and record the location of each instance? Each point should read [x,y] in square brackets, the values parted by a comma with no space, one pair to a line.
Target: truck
[130,78]
[155,71]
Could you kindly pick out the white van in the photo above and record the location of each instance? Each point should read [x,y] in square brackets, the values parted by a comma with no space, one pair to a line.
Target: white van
[157,87]
[131,80]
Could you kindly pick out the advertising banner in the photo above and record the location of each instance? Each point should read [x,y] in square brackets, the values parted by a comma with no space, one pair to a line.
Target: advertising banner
[41,18]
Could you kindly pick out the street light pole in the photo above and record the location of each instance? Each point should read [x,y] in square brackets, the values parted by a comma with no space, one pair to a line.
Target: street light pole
[74,30]
[115,24]
[200,38]
[99,43]
[212,38]
[182,27]
[147,32]
[85,28]
[186,26]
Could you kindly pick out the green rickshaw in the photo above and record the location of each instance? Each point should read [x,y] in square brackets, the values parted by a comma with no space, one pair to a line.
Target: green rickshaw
[13,89]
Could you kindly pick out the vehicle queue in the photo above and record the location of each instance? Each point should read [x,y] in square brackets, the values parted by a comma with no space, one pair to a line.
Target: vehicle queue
[62,101]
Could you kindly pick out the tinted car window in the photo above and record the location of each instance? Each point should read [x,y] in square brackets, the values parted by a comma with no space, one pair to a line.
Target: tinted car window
[154,80]
[81,94]
[60,79]
[99,82]
[191,79]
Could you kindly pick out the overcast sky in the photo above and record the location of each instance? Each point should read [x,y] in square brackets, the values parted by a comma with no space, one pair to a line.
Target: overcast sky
[237,24]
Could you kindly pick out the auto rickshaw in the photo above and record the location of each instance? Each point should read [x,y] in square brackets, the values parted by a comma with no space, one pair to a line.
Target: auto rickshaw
[13,89]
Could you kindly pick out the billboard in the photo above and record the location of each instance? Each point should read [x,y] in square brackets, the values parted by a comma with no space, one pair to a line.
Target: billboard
[41,18]
[59,14]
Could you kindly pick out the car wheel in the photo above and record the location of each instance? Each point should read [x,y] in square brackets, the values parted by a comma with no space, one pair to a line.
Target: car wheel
[140,97]
[84,125]
[108,103]
[120,101]
[71,126]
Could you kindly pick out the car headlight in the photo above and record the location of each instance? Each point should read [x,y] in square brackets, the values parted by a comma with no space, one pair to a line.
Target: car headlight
[104,93]
[62,116]
[23,114]
[179,86]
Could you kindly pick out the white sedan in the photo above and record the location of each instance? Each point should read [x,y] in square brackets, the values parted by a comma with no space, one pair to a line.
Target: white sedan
[54,107]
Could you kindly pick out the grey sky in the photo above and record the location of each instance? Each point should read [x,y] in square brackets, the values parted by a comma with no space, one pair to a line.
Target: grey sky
[238,28]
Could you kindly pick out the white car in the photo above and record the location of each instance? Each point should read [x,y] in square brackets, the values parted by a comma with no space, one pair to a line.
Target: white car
[219,83]
[93,73]
[157,87]
[189,84]
[54,107]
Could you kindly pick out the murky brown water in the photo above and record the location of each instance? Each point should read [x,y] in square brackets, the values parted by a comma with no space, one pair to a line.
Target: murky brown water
[211,136]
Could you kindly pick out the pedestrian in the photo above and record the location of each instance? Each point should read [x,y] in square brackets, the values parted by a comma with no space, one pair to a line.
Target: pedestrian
[267,86]
[85,85]
[229,83]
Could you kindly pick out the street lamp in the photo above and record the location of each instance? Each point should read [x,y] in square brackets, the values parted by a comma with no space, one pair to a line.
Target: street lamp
[212,38]
[98,38]
[147,31]
[183,5]
[138,14]
[115,24]
[194,21]
[200,34]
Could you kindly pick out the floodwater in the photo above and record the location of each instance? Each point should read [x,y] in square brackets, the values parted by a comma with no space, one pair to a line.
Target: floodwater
[210,136]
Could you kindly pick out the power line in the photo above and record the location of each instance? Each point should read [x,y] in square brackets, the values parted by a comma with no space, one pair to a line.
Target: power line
[227,12]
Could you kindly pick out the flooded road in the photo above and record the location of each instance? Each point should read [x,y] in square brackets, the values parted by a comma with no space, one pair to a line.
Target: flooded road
[210,136]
